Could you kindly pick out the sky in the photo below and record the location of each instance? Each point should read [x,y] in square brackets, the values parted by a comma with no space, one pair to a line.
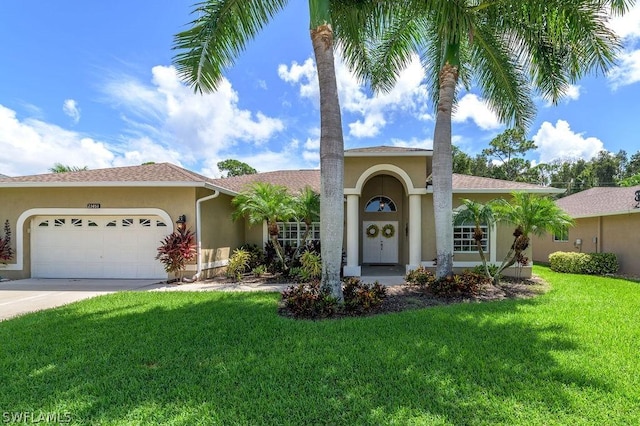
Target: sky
[87,83]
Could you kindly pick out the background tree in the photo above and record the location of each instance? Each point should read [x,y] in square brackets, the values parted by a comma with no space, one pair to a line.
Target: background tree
[235,168]
[507,49]
[62,168]
[509,148]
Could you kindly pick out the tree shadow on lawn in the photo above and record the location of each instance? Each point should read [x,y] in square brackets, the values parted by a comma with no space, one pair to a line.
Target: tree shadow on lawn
[214,357]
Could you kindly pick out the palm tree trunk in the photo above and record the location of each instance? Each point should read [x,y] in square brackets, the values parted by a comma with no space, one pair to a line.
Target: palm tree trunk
[442,172]
[331,150]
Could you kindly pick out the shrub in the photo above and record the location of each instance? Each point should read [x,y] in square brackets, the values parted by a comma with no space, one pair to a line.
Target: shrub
[256,255]
[360,298]
[259,270]
[309,301]
[466,283]
[584,263]
[311,265]
[238,264]
[420,276]
[176,250]
[6,252]
[479,269]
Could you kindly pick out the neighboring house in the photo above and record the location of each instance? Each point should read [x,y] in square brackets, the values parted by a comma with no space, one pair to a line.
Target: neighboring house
[108,223]
[607,221]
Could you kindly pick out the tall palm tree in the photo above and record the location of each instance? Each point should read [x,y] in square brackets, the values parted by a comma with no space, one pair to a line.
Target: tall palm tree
[530,214]
[478,214]
[506,48]
[265,202]
[221,31]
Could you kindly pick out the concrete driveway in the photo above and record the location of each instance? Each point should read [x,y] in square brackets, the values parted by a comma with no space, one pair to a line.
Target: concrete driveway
[34,294]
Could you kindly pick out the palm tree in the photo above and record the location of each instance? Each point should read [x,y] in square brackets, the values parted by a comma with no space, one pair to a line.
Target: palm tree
[530,214]
[505,47]
[478,214]
[221,31]
[265,202]
[62,168]
[307,207]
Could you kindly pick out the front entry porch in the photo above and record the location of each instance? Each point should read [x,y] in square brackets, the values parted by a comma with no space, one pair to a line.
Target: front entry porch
[384,222]
[383,274]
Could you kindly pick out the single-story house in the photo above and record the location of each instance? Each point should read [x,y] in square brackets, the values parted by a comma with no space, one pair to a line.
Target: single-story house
[108,223]
[606,221]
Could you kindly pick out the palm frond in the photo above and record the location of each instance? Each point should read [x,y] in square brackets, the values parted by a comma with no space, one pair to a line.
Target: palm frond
[216,37]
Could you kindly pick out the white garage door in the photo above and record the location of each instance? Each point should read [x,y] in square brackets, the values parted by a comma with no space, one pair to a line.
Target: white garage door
[96,246]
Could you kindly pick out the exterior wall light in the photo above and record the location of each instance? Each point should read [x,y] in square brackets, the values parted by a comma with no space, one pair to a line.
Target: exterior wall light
[181,222]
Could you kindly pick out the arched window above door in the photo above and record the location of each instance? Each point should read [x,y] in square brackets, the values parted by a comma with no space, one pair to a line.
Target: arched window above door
[380,204]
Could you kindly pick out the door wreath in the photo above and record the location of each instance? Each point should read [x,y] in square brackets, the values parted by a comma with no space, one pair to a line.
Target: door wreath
[388,231]
[372,230]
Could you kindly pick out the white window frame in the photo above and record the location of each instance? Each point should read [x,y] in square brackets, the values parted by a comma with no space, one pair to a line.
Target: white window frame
[564,233]
[292,232]
[465,243]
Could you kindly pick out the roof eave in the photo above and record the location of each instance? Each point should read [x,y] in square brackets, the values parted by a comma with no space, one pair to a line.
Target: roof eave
[389,154]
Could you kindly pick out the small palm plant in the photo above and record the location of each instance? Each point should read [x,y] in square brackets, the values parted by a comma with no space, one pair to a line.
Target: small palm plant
[307,207]
[262,202]
[176,250]
[530,214]
[478,214]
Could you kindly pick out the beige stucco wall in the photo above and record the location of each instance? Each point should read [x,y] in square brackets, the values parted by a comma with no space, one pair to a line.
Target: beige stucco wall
[415,167]
[220,234]
[15,201]
[615,234]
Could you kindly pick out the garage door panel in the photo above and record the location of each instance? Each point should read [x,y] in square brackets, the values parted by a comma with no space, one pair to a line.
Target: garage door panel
[96,247]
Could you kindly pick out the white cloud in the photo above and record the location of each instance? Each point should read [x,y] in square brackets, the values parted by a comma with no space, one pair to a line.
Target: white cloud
[628,25]
[560,142]
[70,108]
[472,107]
[374,111]
[211,124]
[266,160]
[413,143]
[33,146]
[627,71]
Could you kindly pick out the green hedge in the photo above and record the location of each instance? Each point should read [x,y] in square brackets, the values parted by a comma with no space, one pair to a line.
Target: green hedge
[584,263]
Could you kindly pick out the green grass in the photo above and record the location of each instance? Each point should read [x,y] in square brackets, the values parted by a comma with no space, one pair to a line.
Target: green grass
[571,356]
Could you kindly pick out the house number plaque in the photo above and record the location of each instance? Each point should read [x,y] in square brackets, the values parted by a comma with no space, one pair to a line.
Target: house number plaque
[93,205]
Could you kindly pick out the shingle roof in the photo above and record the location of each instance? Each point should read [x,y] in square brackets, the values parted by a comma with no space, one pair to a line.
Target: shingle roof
[294,180]
[386,150]
[600,202]
[483,184]
[159,172]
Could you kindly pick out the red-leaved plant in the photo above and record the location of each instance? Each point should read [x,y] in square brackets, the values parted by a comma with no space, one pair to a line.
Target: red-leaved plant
[6,252]
[177,250]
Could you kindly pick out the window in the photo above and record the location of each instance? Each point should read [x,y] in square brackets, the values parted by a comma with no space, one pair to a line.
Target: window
[463,241]
[291,233]
[145,223]
[76,222]
[59,222]
[127,222]
[381,204]
[562,236]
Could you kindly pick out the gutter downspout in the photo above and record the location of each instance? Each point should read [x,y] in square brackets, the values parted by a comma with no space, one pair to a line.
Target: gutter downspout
[215,194]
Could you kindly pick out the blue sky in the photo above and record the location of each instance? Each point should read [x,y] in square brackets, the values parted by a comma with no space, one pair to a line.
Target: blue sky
[91,83]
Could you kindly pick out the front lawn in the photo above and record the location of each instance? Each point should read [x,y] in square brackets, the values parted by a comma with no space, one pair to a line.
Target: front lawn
[570,356]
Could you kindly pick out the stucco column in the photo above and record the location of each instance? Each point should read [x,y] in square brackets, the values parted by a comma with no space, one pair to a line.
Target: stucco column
[415,231]
[352,269]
